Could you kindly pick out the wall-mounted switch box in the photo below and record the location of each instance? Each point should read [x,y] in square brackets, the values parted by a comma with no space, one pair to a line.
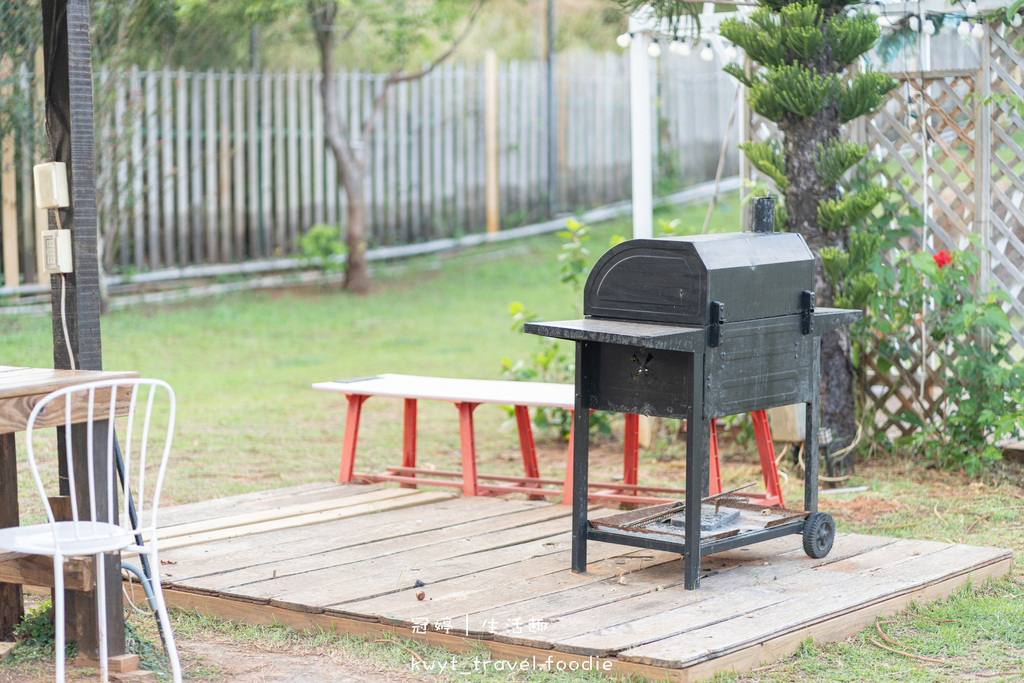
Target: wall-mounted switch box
[57,251]
[52,185]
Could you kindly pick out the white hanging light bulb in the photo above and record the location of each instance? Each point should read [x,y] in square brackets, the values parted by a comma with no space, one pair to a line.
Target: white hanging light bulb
[964,29]
[972,9]
[654,50]
[624,40]
[928,27]
[707,54]
[915,23]
[978,32]
[1016,21]
[685,49]
[731,52]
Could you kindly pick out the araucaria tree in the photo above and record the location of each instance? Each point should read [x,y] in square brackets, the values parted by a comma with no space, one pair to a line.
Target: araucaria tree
[403,28]
[802,77]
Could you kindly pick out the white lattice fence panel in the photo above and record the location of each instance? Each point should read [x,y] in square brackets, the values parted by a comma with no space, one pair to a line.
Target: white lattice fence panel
[1007,170]
[895,135]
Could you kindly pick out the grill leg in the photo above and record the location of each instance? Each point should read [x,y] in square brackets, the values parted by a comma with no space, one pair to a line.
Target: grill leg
[811,433]
[698,436]
[580,461]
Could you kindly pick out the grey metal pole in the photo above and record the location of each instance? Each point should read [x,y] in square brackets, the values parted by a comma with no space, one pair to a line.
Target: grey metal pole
[552,111]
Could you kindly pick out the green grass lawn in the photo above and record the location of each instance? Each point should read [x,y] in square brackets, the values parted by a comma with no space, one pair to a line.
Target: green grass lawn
[242,366]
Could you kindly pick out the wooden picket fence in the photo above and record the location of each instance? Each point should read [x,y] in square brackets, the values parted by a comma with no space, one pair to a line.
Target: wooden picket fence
[225,167]
[965,177]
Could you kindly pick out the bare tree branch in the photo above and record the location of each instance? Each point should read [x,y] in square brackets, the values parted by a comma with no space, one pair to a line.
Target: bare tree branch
[397,76]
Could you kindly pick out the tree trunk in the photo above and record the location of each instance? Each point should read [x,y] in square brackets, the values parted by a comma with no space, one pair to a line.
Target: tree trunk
[357,281]
[802,137]
[351,169]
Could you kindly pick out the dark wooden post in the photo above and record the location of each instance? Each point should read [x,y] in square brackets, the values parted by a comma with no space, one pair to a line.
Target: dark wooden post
[69,116]
[11,606]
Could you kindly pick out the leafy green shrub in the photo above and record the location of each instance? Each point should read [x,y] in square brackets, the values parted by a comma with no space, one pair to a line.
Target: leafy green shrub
[984,387]
[320,245]
[968,333]
[36,636]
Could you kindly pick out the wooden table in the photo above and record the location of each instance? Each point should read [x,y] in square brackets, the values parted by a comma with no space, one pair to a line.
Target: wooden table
[20,390]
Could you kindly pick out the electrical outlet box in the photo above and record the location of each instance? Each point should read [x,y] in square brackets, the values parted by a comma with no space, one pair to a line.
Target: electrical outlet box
[52,185]
[57,251]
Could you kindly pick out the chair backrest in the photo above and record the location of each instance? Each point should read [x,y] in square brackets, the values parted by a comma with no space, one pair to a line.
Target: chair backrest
[89,412]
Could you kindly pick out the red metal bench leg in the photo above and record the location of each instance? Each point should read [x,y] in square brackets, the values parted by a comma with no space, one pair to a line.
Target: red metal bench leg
[348,448]
[469,481]
[766,452]
[526,445]
[714,471]
[409,438]
[631,449]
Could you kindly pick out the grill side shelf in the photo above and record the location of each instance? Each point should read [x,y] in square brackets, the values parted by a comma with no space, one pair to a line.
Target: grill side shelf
[828,319]
[626,333]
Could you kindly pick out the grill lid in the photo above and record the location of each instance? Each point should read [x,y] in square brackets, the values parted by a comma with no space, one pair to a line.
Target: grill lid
[676,279]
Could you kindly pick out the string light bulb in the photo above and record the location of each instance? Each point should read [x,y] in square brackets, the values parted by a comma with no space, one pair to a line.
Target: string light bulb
[706,53]
[972,9]
[730,52]
[1016,21]
[624,40]
[964,29]
[678,47]
[928,27]
[978,32]
[915,23]
[654,50]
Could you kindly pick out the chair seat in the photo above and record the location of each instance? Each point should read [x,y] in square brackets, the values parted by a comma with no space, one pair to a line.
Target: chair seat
[75,538]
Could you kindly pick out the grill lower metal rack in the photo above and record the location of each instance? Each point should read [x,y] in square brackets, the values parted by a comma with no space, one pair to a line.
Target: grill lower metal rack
[659,341]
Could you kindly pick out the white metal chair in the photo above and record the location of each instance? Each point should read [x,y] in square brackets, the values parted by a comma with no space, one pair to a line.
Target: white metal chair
[96,529]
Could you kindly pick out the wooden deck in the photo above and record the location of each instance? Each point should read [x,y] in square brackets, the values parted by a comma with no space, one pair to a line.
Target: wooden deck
[454,571]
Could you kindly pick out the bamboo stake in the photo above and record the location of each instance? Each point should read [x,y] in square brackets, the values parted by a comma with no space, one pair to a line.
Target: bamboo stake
[491,138]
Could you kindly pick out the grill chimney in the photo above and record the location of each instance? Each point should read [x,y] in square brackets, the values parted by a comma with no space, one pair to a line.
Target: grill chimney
[764,214]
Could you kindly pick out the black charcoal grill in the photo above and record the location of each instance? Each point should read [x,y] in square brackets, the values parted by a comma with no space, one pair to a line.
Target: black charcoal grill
[698,328]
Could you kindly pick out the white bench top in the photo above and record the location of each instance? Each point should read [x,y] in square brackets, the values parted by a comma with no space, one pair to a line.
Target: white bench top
[457,390]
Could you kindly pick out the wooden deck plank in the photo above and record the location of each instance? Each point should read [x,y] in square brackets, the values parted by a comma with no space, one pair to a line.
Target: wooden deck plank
[751,590]
[274,546]
[364,572]
[435,543]
[283,512]
[490,590]
[256,500]
[421,498]
[618,621]
[828,602]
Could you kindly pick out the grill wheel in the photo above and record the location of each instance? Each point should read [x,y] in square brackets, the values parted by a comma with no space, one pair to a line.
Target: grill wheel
[819,534]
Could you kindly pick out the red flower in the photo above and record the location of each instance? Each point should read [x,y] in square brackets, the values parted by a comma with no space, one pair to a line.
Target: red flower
[942,258]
